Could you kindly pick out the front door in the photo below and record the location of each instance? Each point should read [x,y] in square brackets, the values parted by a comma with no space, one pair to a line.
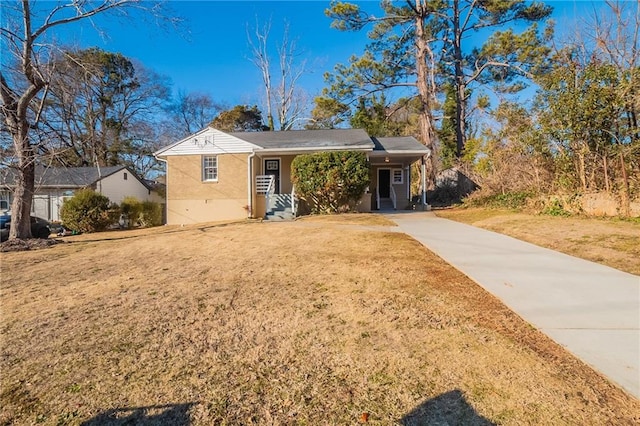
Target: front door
[272,167]
[384,183]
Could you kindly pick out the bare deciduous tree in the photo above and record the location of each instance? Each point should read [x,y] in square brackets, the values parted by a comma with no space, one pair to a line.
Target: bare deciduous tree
[192,112]
[25,35]
[289,100]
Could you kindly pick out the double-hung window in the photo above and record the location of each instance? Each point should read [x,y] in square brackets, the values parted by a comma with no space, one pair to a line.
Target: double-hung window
[209,168]
[397,176]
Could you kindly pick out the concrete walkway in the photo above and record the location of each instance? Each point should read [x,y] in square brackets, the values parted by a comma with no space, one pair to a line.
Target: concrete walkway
[590,309]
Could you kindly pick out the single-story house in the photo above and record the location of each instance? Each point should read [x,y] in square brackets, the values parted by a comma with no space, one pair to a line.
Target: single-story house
[212,175]
[53,185]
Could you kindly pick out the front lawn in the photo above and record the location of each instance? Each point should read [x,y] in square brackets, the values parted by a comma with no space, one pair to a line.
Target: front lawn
[274,323]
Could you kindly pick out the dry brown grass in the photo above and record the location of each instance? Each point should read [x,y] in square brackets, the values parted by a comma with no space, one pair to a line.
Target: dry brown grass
[611,242]
[263,323]
[363,219]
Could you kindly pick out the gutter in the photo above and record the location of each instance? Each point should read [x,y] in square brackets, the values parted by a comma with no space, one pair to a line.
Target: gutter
[398,152]
[286,151]
[249,185]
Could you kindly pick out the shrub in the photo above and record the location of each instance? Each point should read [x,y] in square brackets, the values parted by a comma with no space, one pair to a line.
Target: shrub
[330,182]
[131,210]
[88,211]
[555,208]
[509,200]
[150,214]
[142,213]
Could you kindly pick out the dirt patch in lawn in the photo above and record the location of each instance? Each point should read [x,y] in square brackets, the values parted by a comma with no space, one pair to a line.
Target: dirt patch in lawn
[28,244]
[364,219]
[275,323]
[611,242]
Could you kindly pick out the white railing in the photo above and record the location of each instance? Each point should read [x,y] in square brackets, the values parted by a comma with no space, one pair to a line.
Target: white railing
[264,183]
[293,200]
[394,198]
[377,198]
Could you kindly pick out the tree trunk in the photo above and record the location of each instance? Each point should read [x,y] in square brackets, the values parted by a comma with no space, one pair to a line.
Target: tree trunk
[24,184]
[581,171]
[425,122]
[461,102]
[626,199]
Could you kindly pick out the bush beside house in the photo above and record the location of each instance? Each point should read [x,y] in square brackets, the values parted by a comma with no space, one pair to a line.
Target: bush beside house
[140,213]
[89,211]
[331,182]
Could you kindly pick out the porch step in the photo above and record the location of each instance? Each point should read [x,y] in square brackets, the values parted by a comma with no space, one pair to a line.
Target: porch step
[279,201]
[279,208]
[386,204]
[279,215]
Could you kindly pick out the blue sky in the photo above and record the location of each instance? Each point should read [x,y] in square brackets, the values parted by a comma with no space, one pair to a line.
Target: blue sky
[211,53]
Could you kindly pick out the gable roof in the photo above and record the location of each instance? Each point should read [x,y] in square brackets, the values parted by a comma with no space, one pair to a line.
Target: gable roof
[208,141]
[69,177]
[308,140]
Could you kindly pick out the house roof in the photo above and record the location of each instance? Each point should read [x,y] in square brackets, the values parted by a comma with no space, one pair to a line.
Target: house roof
[210,141]
[399,145]
[304,140]
[67,177]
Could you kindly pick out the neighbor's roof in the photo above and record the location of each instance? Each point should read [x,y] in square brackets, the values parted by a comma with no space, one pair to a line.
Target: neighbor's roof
[399,145]
[307,140]
[67,177]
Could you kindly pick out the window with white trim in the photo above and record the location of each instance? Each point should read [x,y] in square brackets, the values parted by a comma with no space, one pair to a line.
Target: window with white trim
[209,168]
[398,176]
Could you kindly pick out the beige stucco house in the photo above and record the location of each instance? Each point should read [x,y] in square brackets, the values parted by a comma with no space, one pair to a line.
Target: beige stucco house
[53,185]
[213,175]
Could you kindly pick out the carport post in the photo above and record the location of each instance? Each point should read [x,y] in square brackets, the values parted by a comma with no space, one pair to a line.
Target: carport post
[424,184]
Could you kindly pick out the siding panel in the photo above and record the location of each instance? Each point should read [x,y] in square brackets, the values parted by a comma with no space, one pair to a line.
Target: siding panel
[209,142]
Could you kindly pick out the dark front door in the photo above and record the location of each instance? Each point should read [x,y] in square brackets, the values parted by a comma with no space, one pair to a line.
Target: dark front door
[272,167]
[384,182]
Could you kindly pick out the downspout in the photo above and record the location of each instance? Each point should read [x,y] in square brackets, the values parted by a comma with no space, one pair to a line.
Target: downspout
[249,185]
[166,193]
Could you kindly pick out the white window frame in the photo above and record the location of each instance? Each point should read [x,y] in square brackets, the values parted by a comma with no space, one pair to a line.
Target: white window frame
[394,181]
[206,168]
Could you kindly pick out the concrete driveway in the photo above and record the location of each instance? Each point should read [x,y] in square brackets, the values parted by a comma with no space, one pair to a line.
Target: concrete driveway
[590,309]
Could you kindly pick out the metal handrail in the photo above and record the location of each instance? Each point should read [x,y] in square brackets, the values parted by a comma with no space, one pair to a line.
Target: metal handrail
[266,185]
[271,189]
[293,200]
[394,197]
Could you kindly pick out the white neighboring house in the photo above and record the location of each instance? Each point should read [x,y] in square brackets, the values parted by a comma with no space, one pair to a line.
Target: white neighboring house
[54,185]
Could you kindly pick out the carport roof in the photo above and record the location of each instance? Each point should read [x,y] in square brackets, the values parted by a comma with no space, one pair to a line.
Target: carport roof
[399,145]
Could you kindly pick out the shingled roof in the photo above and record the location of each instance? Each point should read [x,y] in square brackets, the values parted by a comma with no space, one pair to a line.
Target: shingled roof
[399,145]
[210,141]
[309,139]
[66,177]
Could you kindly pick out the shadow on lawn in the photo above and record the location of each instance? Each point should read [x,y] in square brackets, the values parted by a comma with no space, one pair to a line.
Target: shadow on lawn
[169,414]
[450,408]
